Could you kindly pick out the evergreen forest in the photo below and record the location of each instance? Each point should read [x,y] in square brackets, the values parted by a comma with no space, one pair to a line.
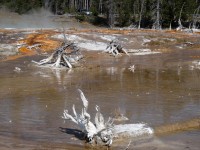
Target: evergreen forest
[138,13]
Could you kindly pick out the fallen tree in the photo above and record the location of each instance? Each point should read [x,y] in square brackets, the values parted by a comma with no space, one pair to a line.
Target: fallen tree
[115,48]
[101,132]
[64,56]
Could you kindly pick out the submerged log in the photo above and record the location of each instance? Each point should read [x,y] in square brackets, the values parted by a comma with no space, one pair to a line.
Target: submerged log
[66,55]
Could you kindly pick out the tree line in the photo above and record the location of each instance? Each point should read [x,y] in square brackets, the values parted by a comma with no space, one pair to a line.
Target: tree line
[139,13]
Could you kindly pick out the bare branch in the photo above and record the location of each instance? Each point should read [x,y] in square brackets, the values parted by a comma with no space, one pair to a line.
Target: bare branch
[84,100]
[128,145]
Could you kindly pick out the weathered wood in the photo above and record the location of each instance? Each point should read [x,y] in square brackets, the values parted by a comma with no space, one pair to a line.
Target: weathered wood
[67,62]
[60,57]
[157,24]
[57,63]
[115,48]
[98,132]
[102,133]
[180,26]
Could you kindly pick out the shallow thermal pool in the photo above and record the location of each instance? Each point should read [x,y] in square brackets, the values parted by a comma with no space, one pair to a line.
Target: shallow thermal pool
[162,90]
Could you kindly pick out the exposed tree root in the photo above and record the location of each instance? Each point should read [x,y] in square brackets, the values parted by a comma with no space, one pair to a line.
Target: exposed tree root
[103,133]
[115,48]
[64,56]
[99,132]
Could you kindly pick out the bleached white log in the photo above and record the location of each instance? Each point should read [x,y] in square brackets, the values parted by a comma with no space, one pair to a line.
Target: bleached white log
[99,120]
[34,46]
[132,130]
[125,51]
[44,61]
[57,63]
[83,98]
[67,62]
[74,111]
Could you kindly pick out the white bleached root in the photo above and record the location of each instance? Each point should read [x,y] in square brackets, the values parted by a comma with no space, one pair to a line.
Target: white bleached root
[132,130]
[115,48]
[101,132]
[61,58]
[141,51]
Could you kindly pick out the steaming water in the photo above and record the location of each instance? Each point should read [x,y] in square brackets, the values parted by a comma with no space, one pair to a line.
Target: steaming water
[39,18]
[162,90]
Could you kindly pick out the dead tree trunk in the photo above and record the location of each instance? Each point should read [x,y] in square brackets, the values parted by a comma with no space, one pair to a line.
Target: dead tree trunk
[196,12]
[141,11]
[100,7]
[111,14]
[180,26]
[156,24]
[170,26]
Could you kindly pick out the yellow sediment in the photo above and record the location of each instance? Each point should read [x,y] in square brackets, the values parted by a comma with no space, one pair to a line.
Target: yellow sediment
[180,126]
[195,56]
[17,56]
[24,50]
